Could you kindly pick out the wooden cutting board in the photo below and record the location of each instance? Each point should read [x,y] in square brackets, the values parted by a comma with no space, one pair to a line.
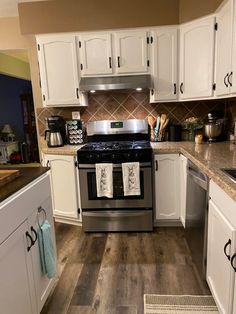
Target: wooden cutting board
[7,176]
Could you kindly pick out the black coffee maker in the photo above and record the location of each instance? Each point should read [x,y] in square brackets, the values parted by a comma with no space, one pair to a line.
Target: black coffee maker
[58,124]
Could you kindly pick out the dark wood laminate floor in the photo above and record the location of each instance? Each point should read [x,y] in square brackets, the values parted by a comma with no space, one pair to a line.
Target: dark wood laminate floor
[108,273]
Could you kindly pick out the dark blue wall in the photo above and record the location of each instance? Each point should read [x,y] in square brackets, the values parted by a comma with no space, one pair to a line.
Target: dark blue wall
[10,105]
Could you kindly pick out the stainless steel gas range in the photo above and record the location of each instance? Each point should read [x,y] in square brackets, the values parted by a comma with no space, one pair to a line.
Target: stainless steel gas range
[116,143]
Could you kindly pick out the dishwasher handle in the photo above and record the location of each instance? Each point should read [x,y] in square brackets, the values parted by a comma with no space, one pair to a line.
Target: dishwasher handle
[198,177]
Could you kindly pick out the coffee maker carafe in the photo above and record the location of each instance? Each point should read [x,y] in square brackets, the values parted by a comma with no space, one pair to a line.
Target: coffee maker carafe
[56,133]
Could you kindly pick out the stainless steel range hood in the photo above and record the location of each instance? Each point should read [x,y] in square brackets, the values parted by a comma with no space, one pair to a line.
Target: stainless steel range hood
[115,82]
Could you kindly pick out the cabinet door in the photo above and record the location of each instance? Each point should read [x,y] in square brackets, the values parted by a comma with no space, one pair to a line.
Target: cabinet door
[223,48]
[95,54]
[164,65]
[43,285]
[167,186]
[131,52]
[63,185]
[220,274]
[16,284]
[197,58]
[183,187]
[58,70]
[232,77]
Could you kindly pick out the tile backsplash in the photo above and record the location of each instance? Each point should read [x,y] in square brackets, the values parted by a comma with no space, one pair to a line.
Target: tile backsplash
[135,105]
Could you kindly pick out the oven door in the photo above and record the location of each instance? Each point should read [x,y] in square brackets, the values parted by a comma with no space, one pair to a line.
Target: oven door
[120,213]
[88,190]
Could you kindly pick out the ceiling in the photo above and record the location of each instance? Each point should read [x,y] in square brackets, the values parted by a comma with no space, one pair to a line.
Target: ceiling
[9,7]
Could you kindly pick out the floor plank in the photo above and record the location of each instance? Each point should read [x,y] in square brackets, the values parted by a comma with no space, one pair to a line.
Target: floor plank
[108,273]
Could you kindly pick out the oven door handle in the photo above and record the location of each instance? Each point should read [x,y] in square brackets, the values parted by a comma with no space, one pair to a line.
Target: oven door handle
[115,166]
[112,213]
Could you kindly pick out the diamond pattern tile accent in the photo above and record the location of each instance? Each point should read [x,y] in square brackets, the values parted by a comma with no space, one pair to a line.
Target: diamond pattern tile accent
[129,105]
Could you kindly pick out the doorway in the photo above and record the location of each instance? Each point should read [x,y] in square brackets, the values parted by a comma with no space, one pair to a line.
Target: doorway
[17,107]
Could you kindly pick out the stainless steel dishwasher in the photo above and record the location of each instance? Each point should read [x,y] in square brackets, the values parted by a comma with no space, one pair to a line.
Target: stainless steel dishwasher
[196,216]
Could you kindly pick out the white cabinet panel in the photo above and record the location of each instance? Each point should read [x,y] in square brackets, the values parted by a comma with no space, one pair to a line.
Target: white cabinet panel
[164,64]
[167,186]
[63,185]
[16,284]
[43,284]
[95,54]
[196,58]
[220,274]
[58,69]
[183,187]
[131,51]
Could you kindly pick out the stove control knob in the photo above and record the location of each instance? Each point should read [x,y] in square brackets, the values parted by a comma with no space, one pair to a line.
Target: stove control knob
[113,156]
[136,156]
[128,156]
[90,157]
[98,157]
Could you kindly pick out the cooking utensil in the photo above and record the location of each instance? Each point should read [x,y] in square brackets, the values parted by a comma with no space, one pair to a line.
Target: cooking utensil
[152,123]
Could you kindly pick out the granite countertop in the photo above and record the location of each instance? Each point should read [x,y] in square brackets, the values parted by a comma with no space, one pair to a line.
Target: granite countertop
[64,150]
[26,176]
[210,158]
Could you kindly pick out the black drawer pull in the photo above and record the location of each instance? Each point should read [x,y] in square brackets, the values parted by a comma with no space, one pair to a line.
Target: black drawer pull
[225,78]
[225,248]
[175,89]
[181,88]
[232,261]
[31,241]
[110,65]
[118,61]
[35,234]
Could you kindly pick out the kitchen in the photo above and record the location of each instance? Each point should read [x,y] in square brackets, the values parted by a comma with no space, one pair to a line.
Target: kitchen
[192,96]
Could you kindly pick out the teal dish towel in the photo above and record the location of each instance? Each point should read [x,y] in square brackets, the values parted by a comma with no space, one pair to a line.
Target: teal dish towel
[47,254]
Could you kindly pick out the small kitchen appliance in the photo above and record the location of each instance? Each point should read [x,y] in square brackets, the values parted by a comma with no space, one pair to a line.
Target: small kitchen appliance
[58,123]
[214,125]
[75,132]
[116,142]
[56,133]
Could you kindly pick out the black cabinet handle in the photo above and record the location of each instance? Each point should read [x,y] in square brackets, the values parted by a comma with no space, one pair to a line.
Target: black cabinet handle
[225,248]
[225,78]
[181,88]
[152,91]
[156,162]
[35,234]
[77,93]
[118,62]
[232,261]
[31,241]
[175,89]
[110,65]
[48,164]
[229,79]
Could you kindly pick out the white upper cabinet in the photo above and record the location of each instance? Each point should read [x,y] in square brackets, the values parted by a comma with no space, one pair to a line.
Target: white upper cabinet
[131,52]
[164,44]
[224,49]
[232,78]
[58,70]
[196,58]
[95,54]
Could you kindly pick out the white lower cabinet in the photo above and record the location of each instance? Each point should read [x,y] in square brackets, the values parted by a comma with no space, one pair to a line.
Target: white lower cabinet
[16,284]
[167,187]
[221,248]
[64,185]
[183,187]
[24,288]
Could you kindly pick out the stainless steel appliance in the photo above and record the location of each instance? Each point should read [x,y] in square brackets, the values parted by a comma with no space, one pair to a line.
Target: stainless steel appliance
[53,138]
[57,124]
[116,142]
[213,127]
[196,216]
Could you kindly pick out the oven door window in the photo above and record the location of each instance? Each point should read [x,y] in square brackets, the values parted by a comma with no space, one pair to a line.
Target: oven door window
[118,190]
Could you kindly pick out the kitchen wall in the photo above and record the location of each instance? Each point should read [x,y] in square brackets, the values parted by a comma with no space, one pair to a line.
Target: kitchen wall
[128,105]
[11,109]
[192,9]
[80,15]
[14,67]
